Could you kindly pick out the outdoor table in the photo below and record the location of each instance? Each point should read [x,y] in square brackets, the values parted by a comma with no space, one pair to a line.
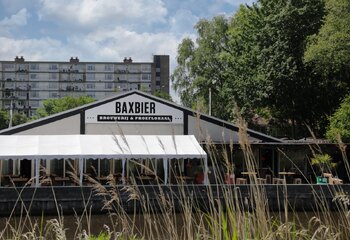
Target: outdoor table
[62,180]
[184,179]
[287,175]
[102,179]
[19,181]
[249,174]
[145,179]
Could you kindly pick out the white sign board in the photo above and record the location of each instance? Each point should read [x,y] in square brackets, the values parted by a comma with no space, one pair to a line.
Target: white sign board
[134,109]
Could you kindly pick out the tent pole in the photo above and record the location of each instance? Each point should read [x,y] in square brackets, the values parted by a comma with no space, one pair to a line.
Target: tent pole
[1,162]
[81,168]
[37,172]
[165,166]
[206,180]
[123,170]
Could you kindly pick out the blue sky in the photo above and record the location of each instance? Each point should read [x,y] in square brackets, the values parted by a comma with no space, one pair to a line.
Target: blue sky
[102,30]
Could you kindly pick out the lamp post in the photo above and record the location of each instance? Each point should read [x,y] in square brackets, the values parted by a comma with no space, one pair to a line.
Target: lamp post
[209,101]
[28,105]
[11,110]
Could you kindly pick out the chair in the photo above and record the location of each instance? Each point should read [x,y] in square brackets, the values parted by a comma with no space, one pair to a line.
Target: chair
[331,179]
[268,178]
[241,181]
[261,181]
[278,181]
[297,181]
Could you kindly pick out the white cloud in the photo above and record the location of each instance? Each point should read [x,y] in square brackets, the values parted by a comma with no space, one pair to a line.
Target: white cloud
[115,44]
[15,21]
[98,13]
[183,21]
[31,49]
[18,19]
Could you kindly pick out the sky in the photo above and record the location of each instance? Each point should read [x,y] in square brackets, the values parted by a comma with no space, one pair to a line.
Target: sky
[102,30]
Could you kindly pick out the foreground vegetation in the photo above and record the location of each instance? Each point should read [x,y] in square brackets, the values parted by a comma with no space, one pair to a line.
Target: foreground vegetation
[223,220]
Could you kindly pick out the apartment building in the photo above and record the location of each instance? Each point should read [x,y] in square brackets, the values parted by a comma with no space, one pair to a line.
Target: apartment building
[26,84]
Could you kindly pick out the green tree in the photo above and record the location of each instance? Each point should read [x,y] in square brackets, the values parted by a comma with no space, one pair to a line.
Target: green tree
[204,66]
[253,60]
[282,41]
[4,119]
[163,95]
[328,56]
[52,106]
[17,118]
[339,126]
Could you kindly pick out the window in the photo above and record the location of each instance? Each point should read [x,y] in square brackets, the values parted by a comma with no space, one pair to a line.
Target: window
[90,94]
[146,68]
[134,68]
[109,85]
[108,76]
[34,94]
[53,67]
[90,67]
[90,86]
[8,66]
[90,76]
[109,67]
[53,76]
[34,66]
[53,85]
[34,103]
[33,76]
[146,77]
[34,85]
[22,94]
[53,94]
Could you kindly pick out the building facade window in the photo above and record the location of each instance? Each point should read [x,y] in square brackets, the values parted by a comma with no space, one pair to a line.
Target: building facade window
[91,94]
[90,86]
[53,94]
[90,67]
[34,66]
[34,103]
[146,67]
[90,76]
[146,77]
[109,85]
[53,67]
[34,94]
[53,76]
[8,66]
[33,76]
[53,85]
[109,67]
[108,76]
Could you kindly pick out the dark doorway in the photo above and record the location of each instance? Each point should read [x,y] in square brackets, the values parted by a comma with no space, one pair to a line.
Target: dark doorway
[26,168]
[267,163]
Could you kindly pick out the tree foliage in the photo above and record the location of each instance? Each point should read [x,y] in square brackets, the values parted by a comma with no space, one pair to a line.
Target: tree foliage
[328,56]
[254,60]
[17,118]
[163,95]
[52,106]
[339,127]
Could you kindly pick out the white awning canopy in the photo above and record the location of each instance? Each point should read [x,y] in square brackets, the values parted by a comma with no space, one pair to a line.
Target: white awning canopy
[99,146]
